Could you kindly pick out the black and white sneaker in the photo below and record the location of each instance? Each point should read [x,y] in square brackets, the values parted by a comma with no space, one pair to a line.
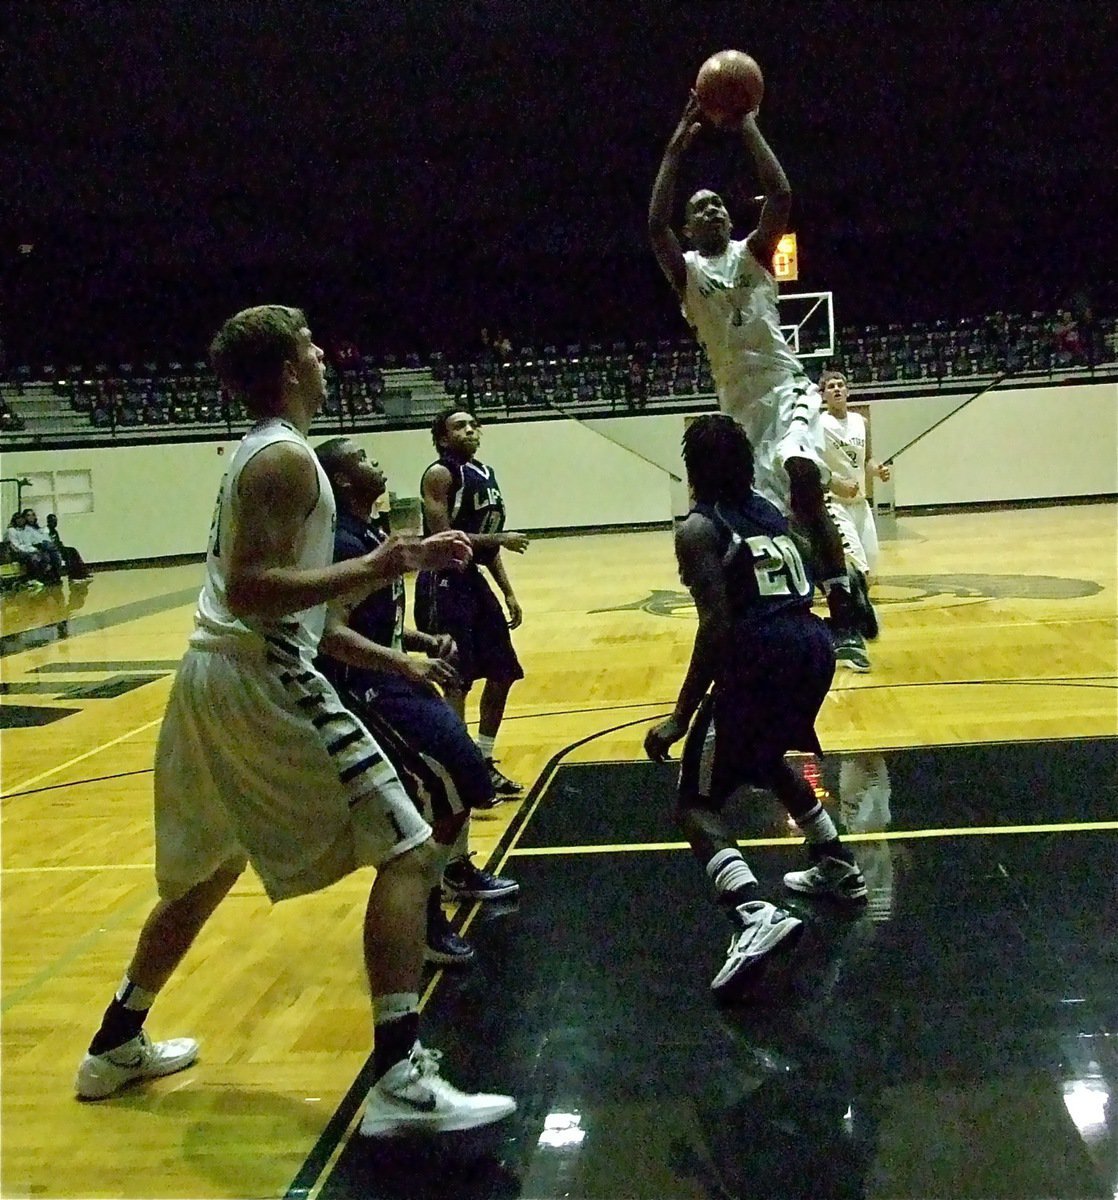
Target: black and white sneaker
[467,882]
[830,877]
[764,928]
[850,651]
[444,947]
[101,1075]
[864,612]
[413,1097]
[503,786]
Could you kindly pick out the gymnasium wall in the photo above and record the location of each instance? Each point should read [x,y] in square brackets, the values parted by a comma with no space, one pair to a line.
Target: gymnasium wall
[156,501]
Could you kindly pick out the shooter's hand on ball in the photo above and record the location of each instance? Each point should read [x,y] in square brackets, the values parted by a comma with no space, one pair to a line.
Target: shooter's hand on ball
[689,125]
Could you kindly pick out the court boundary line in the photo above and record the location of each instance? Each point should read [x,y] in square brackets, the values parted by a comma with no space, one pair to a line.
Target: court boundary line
[25,784]
[883,835]
[314,1174]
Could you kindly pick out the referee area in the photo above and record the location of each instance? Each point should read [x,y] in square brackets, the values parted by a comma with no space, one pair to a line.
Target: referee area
[955,1039]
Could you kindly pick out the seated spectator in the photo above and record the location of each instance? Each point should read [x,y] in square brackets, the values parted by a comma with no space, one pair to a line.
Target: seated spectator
[43,541]
[10,422]
[24,549]
[75,564]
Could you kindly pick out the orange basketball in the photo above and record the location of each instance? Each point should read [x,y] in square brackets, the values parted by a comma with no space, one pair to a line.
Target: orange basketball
[728,86]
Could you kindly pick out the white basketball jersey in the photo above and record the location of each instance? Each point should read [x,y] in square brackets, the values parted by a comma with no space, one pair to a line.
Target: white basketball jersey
[846,449]
[731,302]
[298,633]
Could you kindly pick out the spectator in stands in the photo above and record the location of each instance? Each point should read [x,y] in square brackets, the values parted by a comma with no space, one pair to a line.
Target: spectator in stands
[502,347]
[10,422]
[75,564]
[24,548]
[637,384]
[44,541]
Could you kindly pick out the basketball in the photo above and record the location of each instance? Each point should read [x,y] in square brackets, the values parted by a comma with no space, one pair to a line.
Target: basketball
[728,86]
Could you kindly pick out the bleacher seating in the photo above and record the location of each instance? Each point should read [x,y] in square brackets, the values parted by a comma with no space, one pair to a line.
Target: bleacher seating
[131,400]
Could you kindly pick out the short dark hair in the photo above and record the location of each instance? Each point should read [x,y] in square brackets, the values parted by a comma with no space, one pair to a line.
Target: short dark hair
[250,349]
[719,459]
[329,454]
[442,420]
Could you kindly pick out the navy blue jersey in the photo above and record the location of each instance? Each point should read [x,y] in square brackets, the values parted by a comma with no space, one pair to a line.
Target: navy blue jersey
[379,617]
[475,504]
[761,564]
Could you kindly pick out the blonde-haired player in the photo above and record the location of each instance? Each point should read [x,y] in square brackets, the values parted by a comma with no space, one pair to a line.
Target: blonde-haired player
[846,456]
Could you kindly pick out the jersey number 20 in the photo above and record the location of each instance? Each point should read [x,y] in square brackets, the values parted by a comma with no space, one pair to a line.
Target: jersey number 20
[778,566]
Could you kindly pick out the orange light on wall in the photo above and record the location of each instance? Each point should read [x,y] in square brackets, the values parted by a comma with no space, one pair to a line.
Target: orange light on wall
[785,264]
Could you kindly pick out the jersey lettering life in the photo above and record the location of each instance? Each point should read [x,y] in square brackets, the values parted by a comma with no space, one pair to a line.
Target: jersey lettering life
[731,303]
[296,635]
[475,504]
[846,450]
[761,564]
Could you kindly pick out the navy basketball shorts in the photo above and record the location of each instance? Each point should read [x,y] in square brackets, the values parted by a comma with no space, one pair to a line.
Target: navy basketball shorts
[432,729]
[436,759]
[763,705]
[465,606]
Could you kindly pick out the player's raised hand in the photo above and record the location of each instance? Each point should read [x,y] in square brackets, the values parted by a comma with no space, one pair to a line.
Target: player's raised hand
[516,542]
[689,125]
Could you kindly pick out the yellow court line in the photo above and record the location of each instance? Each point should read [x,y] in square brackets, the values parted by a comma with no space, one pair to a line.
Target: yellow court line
[68,870]
[23,785]
[895,835]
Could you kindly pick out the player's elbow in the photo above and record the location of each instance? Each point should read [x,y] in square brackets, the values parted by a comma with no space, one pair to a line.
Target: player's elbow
[243,596]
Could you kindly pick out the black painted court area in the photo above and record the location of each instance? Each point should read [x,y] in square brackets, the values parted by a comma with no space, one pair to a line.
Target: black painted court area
[957,1038]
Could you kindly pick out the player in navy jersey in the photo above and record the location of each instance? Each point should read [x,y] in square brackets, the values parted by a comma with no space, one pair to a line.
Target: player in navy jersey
[729,297]
[760,668]
[441,768]
[459,492]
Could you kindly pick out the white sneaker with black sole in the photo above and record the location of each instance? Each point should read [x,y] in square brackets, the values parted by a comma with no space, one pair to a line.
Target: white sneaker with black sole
[831,877]
[766,928]
[101,1075]
[412,1097]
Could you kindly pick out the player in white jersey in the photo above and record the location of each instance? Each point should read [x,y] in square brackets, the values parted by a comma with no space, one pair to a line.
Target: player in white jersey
[729,297]
[846,455]
[259,761]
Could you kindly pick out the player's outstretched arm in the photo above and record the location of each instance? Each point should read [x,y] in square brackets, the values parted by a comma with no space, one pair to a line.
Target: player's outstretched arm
[700,568]
[436,487]
[774,183]
[276,491]
[665,244]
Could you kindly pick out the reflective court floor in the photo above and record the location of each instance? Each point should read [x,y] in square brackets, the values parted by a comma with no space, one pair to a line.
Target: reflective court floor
[952,1040]
[957,1037]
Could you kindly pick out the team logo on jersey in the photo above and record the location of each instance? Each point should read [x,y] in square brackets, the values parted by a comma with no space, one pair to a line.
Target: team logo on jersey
[907,589]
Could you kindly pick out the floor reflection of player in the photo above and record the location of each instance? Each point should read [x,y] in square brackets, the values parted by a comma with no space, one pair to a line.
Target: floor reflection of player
[25,610]
[864,794]
[794,1110]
